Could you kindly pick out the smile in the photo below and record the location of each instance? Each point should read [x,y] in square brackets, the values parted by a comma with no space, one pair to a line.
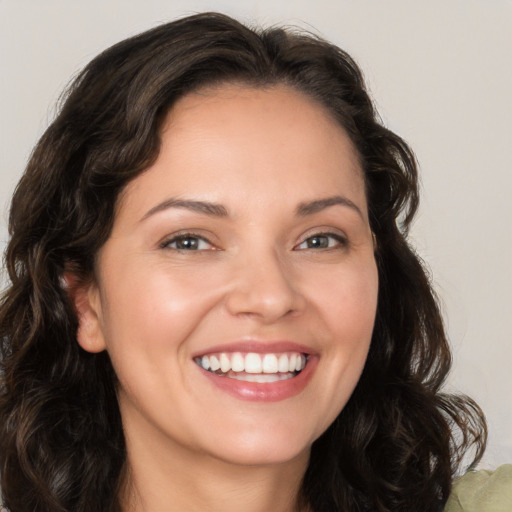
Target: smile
[254,367]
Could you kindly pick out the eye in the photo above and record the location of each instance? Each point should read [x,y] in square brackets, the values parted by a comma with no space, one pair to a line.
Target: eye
[322,241]
[187,242]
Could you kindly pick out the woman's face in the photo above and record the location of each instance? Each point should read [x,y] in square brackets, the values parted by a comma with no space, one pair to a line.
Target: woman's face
[246,245]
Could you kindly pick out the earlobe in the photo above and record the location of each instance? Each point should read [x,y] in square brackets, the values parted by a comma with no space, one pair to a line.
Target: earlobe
[87,302]
[374,241]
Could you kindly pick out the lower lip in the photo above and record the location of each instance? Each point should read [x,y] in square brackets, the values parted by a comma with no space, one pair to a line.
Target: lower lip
[263,392]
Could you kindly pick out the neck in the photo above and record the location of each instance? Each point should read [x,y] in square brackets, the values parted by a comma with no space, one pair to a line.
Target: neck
[158,480]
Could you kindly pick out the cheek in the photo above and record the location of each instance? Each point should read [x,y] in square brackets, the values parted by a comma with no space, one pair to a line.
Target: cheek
[346,305]
[157,307]
[347,300]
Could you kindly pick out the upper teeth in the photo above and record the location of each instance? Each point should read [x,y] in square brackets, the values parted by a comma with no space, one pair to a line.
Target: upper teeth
[253,362]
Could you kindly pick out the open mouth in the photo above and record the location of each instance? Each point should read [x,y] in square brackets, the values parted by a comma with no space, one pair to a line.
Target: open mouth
[254,367]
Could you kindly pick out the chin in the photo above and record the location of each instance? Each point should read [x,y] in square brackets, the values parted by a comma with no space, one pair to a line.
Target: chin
[260,449]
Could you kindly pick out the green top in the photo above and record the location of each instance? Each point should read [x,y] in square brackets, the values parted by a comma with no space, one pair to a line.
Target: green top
[483,491]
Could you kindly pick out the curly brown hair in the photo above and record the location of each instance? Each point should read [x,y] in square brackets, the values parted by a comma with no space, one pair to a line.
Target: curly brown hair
[399,440]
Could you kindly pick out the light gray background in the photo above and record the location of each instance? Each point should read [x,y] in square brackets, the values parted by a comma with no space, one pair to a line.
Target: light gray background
[441,74]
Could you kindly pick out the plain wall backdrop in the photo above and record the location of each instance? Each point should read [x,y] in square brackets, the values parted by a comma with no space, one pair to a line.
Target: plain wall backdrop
[441,75]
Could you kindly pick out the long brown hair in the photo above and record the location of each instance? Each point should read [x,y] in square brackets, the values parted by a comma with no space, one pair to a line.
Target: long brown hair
[398,441]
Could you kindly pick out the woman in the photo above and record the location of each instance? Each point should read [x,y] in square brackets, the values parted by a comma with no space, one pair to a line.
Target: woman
[213,303]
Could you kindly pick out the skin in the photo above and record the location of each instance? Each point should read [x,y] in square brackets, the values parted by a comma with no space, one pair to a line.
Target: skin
[256,275]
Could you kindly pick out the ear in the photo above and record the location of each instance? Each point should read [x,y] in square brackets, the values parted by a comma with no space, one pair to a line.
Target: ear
[87,301]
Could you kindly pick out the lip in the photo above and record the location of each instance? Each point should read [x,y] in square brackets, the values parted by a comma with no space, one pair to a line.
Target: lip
[261,392]
[258,347]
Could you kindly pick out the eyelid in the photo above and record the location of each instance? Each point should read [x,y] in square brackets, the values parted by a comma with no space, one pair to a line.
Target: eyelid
[174,237]
[338,235]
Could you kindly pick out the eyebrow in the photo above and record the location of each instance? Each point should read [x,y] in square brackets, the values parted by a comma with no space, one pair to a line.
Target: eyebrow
[204,207]
[318,205]
[218,210]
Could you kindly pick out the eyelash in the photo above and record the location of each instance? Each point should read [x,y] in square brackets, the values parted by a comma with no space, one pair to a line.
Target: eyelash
[195,241]
[186,236]
[340,241]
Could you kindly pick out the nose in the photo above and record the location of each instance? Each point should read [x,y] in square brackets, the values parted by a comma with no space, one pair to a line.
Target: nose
[263,287]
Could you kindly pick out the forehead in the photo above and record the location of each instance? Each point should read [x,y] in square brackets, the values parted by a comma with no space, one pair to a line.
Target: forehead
[275,107]
[237,142]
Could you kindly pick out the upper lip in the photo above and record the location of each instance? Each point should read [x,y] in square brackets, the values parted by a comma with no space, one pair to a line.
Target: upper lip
[258,347]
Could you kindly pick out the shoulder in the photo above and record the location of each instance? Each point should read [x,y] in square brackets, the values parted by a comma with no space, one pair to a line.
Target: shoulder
[482,491]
